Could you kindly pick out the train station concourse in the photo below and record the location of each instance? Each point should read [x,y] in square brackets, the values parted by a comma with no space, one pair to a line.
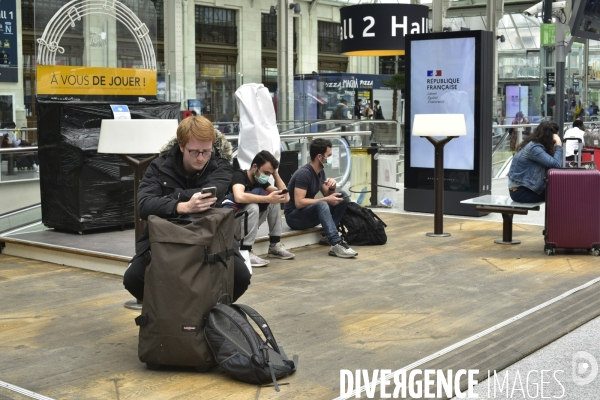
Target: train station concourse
[387,144]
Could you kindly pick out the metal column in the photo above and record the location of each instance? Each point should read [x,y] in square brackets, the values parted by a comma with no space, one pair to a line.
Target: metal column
[174,48]
[285,61]
[560,76]
[494,12]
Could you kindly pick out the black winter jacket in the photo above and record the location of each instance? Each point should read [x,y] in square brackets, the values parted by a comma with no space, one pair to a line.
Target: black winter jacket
[165,184]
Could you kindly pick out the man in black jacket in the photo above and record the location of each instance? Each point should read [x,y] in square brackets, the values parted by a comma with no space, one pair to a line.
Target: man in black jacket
[172,185]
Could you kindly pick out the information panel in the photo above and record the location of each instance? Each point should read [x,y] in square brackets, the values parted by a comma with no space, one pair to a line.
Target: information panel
[444,85]
[449,73]
[9,65]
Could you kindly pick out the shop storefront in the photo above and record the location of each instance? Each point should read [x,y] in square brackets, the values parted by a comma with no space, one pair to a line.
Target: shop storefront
[318,96]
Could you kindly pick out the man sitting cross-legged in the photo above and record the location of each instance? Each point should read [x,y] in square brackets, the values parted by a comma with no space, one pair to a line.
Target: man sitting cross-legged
[252,193]
[304,211]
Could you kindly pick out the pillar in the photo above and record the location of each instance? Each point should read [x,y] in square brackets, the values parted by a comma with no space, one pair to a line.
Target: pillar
[285,61]
[174,56]
[494,13]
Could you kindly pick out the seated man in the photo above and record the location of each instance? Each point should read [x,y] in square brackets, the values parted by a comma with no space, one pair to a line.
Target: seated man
[172,185]
[571,146]
[303,211]
[253,194]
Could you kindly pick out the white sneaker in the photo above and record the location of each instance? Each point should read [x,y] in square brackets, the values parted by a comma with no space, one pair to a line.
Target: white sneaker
[36,167]
[342,250]
[280,252]
[256,261]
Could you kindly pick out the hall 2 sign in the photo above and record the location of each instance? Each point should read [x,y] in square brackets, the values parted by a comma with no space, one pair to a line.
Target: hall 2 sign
[379,29]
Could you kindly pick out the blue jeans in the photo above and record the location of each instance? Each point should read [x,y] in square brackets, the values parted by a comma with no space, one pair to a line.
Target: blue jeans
[525,195]
[320,213]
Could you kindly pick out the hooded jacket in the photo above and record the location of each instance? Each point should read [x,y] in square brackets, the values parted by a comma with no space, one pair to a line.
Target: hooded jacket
[166,183]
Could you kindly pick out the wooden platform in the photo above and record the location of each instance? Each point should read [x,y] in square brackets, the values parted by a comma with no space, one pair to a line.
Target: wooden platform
[65,334]
[110,251]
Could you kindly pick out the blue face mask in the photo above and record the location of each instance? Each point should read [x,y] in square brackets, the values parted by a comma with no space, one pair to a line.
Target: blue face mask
[261,179]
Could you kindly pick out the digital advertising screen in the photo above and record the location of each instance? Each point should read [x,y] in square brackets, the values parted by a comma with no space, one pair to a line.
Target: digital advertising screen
[449,73]
[444,85]
[517,99]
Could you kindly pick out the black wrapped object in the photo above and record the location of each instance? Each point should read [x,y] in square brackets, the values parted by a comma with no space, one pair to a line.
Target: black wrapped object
[81,189]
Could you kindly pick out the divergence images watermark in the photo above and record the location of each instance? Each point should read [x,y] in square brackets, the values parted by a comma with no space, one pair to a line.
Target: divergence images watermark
[431,384]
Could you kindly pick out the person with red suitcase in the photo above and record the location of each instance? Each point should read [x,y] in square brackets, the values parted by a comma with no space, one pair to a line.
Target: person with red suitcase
[539,151]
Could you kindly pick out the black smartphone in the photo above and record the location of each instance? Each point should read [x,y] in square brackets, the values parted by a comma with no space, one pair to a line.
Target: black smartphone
[284,191]
[212,190]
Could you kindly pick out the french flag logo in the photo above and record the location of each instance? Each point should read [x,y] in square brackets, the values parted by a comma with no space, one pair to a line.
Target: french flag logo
[437,72]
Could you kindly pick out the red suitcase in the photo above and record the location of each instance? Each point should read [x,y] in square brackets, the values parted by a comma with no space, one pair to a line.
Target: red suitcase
[591,157]
[572,212]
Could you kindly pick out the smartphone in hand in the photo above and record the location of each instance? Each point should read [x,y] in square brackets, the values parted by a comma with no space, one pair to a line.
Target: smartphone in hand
[212,190]
[284,191]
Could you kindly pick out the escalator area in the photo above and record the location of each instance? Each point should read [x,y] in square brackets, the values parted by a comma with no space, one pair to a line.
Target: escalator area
[27,219]
[20,209]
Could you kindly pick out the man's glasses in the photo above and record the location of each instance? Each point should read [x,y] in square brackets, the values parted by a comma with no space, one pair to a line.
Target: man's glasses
[196,153]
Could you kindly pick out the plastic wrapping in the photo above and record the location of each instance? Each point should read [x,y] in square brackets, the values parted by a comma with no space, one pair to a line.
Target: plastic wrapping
[81,189]
[360,178]
[387,161]
[258,127]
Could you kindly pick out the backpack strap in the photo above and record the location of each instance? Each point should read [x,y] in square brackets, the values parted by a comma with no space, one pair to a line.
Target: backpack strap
[219,257]
[290,366]
[376,216]
[260,321]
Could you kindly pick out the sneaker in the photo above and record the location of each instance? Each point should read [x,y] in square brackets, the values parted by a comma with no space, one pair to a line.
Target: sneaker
[256,261]
[280,252]
[342,250]
[324,241]
[36,167]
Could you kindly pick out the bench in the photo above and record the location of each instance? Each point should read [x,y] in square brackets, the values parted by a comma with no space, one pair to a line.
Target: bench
[505,206]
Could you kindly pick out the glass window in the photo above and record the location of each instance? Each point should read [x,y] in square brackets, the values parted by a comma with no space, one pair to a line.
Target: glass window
[269,75]
[6,108]
[216,25]
[268,25]
[160,18]
[215,88]
[329,37]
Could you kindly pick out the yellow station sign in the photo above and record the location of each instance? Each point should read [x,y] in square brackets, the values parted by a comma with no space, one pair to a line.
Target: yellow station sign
[70,80]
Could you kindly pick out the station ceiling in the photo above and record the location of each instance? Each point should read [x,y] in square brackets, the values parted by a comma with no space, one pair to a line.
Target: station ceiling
[521,32]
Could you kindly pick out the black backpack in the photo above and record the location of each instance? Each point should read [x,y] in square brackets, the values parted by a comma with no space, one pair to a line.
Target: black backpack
[361,226]
[242,352]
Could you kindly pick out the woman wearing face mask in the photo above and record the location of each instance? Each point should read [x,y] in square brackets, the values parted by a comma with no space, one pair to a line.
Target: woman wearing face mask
[251,192]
